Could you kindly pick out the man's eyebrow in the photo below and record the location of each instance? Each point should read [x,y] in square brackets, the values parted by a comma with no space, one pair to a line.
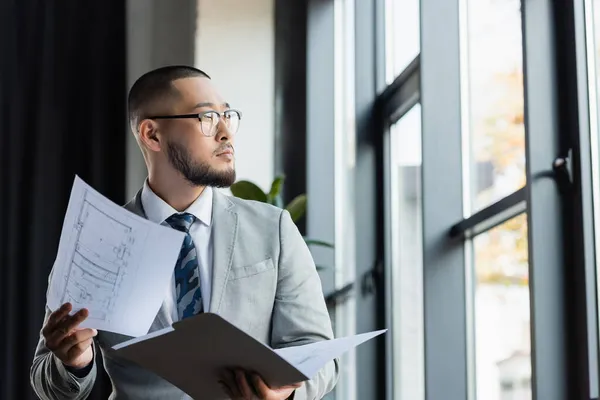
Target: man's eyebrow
[200,105]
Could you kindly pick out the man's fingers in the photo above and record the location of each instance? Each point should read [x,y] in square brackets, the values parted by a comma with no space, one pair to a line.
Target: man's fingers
[55,318]
[78,349]
[59,314]
[242,383]
[61,344]
[239,385]
[260,386]
[294,385]
[264,391]
[226,389]
[64,328]
[228,380]
[70,323]
[77,337]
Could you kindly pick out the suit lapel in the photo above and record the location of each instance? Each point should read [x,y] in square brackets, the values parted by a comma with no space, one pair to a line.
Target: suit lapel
[224,231]
[163,318]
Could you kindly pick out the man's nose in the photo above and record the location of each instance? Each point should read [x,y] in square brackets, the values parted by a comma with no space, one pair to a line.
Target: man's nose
[223,132]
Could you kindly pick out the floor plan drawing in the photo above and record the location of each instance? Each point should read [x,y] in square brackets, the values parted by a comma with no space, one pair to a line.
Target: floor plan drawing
[102,249]
[112,262]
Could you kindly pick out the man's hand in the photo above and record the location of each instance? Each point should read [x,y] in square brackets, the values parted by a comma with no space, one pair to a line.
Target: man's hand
[241,386]
[71,345]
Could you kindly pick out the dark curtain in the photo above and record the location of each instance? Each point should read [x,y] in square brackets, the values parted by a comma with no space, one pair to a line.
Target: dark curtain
[62,112]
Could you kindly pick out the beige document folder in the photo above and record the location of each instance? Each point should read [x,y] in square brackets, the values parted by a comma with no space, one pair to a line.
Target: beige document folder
[194,352]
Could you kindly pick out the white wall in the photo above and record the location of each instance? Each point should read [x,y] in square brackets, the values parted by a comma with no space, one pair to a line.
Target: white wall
[235,44]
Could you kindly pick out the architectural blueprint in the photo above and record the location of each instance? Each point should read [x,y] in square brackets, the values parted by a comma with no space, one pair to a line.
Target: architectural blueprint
[112,262]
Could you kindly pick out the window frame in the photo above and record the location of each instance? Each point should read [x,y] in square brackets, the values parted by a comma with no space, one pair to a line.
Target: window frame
[554,130]
[557,196]
[323,168]
[586,189]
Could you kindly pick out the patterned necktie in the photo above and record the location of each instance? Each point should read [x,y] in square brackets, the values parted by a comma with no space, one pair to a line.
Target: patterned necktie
[187,279]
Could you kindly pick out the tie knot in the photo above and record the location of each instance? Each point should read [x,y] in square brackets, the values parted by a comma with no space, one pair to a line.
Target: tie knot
[182,222]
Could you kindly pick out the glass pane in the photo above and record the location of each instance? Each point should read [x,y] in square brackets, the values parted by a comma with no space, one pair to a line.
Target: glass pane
[344,219]
[402,23]
[406,256]
[495,100]
[593,36]
[502,313]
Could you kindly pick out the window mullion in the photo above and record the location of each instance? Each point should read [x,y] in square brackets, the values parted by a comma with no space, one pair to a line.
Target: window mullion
[545,231]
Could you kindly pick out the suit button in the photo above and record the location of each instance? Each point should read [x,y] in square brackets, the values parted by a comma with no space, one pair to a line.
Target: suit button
[72,387]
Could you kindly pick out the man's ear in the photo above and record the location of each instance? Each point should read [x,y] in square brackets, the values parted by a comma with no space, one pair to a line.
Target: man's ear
[148,132]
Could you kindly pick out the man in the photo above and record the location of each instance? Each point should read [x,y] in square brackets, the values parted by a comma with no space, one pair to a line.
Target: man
[243,260]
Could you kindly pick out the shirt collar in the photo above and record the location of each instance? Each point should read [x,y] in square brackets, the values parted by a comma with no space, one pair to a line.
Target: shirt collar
[157,210]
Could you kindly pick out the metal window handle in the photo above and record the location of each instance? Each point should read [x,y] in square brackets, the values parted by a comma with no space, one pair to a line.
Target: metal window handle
[562,173]
[368,285]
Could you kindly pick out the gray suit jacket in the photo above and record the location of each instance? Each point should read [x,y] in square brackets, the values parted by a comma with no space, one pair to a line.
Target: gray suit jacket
[264,281]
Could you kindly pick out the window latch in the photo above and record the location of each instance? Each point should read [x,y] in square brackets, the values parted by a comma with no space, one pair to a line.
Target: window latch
[368,285]
[563,173]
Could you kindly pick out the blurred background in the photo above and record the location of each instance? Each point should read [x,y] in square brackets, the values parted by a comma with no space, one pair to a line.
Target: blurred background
[448,150]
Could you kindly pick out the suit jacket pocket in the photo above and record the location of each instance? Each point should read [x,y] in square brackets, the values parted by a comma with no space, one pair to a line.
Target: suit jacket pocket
[250,270]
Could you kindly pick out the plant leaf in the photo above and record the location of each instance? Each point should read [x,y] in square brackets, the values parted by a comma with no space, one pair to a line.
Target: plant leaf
[276,186]
[248,190]
[314,242]
[297,207]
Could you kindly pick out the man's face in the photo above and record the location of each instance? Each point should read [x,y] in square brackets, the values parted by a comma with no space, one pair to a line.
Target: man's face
[203,160]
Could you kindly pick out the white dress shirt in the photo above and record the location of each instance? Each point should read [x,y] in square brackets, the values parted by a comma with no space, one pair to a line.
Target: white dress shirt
[157,210]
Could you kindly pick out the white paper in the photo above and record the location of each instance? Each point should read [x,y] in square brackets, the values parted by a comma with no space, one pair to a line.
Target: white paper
[112,262]
[310,358]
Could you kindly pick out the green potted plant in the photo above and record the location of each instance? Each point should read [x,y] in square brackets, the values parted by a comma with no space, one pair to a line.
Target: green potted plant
[297,207]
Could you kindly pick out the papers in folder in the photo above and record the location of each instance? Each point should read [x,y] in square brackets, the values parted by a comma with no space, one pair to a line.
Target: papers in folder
[193,353]
[112,262]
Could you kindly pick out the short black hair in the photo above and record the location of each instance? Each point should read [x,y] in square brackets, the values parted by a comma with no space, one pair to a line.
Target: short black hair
[153,86]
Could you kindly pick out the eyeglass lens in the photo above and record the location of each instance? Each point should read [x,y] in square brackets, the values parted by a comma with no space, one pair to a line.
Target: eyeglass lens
[210,121]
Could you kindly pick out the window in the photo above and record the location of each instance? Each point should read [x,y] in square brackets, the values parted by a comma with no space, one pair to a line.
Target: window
[593,27]
[502,322]
[402,35]
[496,133]
[494,129]
[406,257]
[344,154]
[477,228]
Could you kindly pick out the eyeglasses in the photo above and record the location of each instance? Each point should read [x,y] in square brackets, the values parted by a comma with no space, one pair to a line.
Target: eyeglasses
[209,120]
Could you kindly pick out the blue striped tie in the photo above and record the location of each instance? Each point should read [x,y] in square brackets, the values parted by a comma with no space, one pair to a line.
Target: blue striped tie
[187,279]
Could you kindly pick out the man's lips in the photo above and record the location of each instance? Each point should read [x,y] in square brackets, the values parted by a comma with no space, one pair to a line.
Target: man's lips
[226,151]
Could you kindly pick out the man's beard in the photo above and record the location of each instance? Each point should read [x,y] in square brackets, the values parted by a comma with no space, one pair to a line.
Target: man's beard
[197,173]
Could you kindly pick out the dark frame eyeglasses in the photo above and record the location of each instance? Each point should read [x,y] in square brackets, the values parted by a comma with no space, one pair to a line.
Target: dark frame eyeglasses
[209,120]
